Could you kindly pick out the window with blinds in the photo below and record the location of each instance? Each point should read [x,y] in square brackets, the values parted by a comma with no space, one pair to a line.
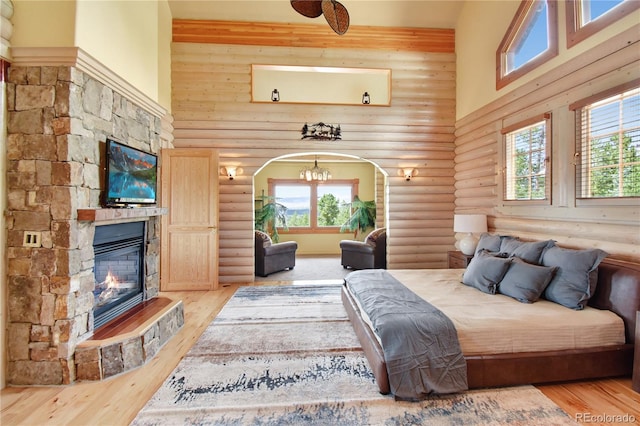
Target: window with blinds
[526,172]
[608,145]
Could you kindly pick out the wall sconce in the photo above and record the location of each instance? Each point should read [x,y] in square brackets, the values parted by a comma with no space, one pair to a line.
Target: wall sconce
[366,99]
[407,173]
[230,171]
[275,96]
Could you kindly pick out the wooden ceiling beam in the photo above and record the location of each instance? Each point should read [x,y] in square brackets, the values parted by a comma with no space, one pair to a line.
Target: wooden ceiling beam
[321,36]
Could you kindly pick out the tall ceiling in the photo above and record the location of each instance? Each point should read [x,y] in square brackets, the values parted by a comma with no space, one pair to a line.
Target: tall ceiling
[383,13]
[377,13]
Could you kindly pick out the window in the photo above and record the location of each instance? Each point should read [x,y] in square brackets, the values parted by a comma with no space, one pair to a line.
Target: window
[587,17]
[530,40]
[314,206]
[526,173]
[608,144]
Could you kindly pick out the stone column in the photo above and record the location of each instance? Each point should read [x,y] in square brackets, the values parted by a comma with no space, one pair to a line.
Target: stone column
[6,30]
[58,120]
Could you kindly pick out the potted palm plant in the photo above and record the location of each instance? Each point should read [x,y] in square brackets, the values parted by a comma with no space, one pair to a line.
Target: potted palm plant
[362,219]
[269,216]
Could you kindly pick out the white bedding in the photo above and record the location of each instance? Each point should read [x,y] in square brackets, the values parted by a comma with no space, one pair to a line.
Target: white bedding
[494,324]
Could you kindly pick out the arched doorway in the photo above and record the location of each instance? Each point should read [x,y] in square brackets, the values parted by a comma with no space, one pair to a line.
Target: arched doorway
[350,175]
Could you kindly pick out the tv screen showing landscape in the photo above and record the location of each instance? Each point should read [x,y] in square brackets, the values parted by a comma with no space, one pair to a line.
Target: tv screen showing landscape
[131,175]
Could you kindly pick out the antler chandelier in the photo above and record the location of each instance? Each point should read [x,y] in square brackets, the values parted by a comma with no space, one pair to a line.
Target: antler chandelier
[315,173]
[321,131]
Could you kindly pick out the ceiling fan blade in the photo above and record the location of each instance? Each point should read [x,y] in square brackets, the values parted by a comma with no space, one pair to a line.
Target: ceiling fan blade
[308,8]
[336,15]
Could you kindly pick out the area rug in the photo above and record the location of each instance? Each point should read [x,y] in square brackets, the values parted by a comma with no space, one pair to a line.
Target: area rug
[287,355]
[310,268]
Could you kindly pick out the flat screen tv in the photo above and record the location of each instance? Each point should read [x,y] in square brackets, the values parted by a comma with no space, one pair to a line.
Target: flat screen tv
[131,176]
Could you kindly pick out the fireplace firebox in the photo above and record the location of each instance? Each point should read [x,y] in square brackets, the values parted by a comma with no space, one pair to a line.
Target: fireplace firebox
[118,271]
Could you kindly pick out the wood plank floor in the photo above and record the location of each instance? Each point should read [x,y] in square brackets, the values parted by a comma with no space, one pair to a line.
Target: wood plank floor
[117,401]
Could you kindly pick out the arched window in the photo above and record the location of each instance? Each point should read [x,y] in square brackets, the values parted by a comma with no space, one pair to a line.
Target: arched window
[530,40]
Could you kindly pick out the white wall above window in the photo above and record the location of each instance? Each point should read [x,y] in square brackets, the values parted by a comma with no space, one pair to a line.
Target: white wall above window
[320,85]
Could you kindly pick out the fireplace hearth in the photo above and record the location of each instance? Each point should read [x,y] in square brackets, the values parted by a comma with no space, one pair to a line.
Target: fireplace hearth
[119,270]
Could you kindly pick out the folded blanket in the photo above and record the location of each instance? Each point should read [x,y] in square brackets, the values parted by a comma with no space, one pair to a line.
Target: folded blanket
[419,342]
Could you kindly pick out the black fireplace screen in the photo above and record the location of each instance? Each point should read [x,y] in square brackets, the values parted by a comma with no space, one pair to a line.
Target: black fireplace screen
[118,270]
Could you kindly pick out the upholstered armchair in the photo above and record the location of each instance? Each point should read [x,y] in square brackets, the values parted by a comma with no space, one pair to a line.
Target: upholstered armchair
[272,257]
[368,254]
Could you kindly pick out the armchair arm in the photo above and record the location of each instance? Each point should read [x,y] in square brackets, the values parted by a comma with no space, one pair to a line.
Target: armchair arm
[357,246]
[284,247]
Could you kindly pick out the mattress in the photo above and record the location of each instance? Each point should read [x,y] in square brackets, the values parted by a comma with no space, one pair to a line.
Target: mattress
[497,324]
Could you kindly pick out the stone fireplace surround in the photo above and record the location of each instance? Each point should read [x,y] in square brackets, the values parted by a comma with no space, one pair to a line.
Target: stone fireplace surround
[58,120]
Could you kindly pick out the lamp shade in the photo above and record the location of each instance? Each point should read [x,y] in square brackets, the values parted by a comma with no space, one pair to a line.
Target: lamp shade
[469,223]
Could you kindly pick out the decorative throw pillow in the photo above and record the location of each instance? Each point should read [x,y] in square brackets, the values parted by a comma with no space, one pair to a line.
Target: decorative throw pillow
[489,243]
[264,237]
[373,236]
[577,275]
[485,271]
[525,282]
[530,252]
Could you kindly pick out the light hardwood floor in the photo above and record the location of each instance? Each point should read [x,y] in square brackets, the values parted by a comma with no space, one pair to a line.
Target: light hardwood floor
[117,400]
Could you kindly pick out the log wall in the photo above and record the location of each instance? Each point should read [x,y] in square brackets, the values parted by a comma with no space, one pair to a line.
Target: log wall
[211,105]
[611,225]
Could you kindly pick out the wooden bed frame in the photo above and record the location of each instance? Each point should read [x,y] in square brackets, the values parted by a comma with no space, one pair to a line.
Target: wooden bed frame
[618,290]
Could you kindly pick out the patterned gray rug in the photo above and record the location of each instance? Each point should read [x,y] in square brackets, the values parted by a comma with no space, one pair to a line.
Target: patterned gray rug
[310,268]
[287,355]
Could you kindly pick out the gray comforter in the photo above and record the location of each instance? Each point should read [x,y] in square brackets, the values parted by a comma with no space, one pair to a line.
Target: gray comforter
[420,343]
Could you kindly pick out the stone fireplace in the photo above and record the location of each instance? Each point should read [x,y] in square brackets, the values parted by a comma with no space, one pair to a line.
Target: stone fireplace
[58,120]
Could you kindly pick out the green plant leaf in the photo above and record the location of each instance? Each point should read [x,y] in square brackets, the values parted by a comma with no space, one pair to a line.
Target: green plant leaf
[363,216]
[271,215]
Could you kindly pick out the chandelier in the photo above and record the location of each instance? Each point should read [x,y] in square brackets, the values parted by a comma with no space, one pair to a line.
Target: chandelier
[321,131]
[315,173]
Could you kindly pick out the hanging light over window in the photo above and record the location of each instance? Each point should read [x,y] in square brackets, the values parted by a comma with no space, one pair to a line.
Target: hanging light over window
[315,173]
[366,99]
[275,96]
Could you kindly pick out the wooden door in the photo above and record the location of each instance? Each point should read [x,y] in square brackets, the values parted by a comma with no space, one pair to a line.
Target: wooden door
[189,254]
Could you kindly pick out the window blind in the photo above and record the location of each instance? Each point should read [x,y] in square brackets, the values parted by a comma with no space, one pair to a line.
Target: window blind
[608,147]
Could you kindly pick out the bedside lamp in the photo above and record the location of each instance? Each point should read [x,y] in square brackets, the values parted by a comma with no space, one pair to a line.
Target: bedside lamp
[469,223]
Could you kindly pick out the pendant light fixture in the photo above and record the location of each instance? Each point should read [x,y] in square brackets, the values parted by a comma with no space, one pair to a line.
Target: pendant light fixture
[315,173]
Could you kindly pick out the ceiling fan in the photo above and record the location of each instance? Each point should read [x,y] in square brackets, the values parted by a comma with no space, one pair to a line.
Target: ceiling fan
[334,12]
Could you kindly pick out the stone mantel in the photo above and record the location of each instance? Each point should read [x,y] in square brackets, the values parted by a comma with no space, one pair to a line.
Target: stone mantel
[117,214]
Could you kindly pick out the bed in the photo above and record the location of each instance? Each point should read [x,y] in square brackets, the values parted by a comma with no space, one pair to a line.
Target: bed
[593,351]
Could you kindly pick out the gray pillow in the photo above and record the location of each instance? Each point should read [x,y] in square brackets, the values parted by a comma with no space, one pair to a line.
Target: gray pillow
[577,275]
[525,282]
[488,242]
[485,271]
[530,252]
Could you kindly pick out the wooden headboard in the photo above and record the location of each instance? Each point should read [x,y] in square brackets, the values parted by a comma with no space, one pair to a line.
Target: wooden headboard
[618,290]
